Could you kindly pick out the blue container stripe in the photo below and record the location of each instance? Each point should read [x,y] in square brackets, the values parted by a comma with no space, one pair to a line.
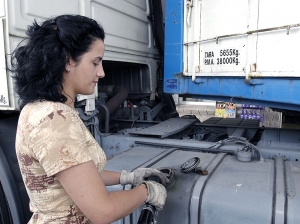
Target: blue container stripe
[173,44]
[278,93]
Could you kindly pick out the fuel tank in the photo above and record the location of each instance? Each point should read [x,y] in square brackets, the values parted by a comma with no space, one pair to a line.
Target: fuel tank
[229,191]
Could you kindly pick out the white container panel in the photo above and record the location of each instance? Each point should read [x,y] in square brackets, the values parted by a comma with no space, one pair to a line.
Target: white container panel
[278,52]
[221,17]
[273,13]
[258,30]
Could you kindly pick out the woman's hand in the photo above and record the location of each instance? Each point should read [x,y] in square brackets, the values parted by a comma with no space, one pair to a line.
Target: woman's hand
[141,174]
[87,189]
[157,194]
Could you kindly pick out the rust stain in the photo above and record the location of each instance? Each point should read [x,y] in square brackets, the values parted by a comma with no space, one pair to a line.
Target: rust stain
[255,74]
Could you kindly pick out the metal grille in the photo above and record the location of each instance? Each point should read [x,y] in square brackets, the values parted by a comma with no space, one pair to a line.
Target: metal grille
[166,128]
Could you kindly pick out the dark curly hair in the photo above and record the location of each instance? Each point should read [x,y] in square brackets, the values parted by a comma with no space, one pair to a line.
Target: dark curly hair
[39,64]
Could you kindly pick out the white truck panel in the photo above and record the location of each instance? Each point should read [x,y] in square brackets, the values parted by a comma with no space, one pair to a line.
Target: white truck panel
[4,99]
[128,31]
[2,8]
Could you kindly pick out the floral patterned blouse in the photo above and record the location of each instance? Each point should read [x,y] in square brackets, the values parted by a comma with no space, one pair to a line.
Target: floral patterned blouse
[51,138]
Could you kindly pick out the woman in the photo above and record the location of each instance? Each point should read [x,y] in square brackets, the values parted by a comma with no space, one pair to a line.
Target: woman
[59,159]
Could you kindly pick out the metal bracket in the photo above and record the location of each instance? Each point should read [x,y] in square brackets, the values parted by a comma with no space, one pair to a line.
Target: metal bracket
[250,73]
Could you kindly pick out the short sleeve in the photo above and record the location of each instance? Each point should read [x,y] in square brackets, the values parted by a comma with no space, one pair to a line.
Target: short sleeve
[59,141]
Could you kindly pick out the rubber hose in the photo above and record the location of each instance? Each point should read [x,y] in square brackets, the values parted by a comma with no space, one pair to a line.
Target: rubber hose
[146,217]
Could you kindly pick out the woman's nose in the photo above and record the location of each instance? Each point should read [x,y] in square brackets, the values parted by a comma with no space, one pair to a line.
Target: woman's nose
[101,73]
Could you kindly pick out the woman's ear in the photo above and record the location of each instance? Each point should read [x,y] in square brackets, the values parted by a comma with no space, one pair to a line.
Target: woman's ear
[68,65]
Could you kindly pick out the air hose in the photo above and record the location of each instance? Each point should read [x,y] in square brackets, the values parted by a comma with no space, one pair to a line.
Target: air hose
[149,212]
[237,139]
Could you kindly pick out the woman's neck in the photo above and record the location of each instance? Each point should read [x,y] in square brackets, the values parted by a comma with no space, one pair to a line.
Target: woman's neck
[70,103]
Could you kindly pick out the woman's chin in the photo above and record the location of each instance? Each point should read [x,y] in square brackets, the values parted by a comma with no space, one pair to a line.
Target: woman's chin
[90,92]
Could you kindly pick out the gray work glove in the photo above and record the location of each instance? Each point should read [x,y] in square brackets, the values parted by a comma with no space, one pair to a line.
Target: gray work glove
[140,175]
[157,194]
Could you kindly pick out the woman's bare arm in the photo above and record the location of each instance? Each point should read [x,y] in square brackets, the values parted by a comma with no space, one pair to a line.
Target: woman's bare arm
[87,189]
[110,177]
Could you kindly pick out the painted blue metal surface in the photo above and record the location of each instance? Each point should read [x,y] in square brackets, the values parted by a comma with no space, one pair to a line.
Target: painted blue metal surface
[173,45]
[277,93]
[273,92]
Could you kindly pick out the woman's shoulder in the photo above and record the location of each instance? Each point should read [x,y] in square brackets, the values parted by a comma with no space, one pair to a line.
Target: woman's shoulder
[38,111]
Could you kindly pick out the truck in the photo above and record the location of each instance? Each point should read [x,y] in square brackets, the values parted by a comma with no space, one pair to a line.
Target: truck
[222,170]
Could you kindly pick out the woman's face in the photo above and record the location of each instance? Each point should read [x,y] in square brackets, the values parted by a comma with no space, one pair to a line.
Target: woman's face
[81,77]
